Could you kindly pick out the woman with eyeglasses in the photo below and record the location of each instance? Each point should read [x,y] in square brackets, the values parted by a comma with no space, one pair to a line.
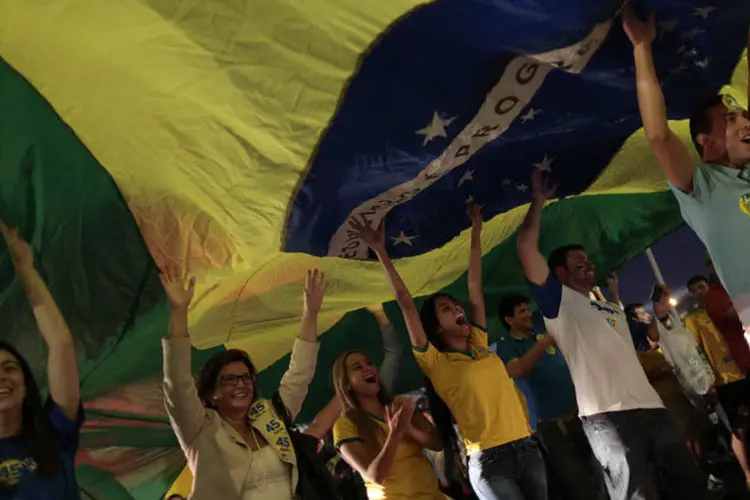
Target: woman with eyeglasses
[236,443]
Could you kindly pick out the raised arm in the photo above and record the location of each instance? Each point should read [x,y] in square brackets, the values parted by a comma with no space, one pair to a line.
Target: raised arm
[670,152]
[476,293]
[296,380]
[661,313]
[325,419]
[376,469]
[613,284]
[391,347]
[375,239]
[181,400]
[62,369]
[519,367]
[532,260]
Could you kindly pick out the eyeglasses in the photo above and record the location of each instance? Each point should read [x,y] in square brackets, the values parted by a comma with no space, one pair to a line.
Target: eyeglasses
[232,379]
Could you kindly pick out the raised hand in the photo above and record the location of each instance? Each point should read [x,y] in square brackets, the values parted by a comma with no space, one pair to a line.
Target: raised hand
[375,309]
[315,290]
[398,415]
[475,214]
[178,293]
[541,191]
[373,238]
[20,252]
[662,307]
[639,32]
[612,281]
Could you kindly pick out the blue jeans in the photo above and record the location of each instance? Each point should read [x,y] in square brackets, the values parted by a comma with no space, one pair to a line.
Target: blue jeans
[630,443]
[512,471]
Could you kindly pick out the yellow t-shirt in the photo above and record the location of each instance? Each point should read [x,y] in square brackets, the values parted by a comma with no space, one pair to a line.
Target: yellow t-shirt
[714,345]
[411,475]
[478,391]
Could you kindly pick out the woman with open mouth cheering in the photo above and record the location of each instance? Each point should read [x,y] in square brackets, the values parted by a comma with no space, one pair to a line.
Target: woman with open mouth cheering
[452,351]
[38,443]
[382,438]
[237,444]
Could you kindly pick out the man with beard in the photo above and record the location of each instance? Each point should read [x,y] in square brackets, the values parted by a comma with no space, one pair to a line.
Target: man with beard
[714,196]
[624,419]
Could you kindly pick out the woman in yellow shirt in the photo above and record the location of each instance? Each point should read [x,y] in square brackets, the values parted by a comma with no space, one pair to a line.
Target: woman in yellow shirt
[453,352]
[380,438]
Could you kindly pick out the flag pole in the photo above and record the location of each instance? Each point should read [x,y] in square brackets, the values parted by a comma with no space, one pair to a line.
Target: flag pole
[659,276]
[655,266]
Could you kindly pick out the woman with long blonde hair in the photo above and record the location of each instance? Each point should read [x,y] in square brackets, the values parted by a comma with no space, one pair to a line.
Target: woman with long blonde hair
[380,437]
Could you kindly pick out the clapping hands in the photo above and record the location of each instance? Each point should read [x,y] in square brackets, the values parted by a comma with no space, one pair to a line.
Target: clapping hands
[398,415]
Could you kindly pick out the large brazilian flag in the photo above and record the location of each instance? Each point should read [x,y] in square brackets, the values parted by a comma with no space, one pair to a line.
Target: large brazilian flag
[237,138]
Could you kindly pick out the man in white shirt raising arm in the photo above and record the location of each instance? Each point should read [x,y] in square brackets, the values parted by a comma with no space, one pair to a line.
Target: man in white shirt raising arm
[623,417]
[714,195]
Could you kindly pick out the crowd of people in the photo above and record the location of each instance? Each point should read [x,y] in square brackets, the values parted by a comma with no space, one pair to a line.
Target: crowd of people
[583,406]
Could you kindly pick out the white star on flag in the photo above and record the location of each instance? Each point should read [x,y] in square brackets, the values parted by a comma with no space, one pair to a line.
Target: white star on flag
[545,164]
[703,63]
[530,115]
[402,238]
[681,49]
[507,182]
[668,26]
[704,11]
[679,69]
[468,176]
[690,53]
[436,128]
[693,33]
[522,187]
[470,200]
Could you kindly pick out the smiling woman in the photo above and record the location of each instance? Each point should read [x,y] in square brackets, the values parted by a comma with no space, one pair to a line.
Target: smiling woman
[38,442]
[381,438]
[237,445]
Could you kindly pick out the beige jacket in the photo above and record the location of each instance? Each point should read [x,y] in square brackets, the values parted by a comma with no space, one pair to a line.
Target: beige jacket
[218,461]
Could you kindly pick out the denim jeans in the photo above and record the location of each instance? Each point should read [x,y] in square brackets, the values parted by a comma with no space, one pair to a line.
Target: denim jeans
[630,444]
[574,473]
[512,471]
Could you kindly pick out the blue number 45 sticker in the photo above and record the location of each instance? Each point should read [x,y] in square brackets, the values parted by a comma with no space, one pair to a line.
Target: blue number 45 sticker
[283,442]
[273,426]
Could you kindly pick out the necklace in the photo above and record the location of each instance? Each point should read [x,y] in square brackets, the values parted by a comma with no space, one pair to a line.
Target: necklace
[259,478]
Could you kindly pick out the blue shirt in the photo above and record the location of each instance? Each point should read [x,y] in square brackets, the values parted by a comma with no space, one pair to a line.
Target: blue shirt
[525,389]
[18,480]
[549,380]
[718,210]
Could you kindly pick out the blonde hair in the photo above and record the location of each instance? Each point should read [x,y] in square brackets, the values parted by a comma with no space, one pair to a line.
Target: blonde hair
[371,433]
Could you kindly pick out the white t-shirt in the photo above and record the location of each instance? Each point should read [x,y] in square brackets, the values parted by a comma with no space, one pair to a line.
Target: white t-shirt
[595,339]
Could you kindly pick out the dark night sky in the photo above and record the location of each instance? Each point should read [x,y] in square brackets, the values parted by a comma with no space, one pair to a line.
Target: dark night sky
[680,256]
